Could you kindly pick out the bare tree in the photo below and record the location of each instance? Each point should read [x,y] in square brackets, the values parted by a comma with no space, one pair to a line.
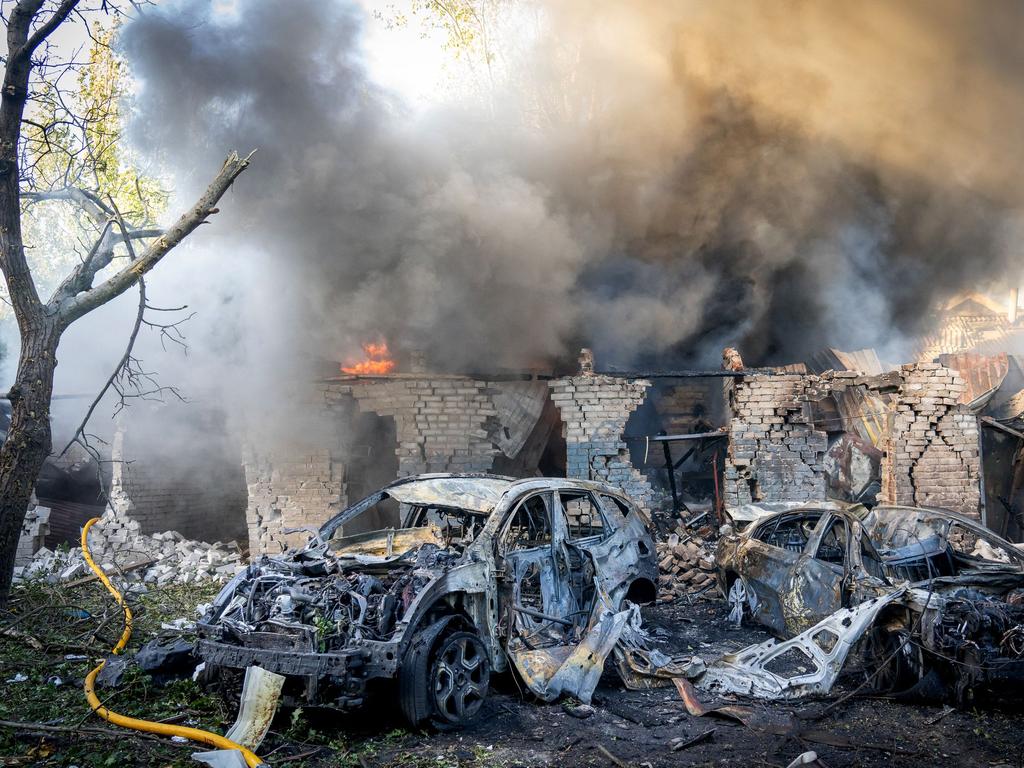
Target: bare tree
[30,24]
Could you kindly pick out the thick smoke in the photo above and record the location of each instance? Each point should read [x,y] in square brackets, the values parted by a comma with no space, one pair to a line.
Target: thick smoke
[652,179]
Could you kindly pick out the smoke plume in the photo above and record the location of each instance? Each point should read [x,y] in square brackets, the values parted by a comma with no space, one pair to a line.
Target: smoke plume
[652,179]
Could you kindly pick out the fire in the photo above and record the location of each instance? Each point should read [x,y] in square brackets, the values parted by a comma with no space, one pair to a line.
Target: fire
[378,360]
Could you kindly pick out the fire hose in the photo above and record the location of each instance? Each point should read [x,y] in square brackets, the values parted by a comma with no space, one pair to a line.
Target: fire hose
[164,729]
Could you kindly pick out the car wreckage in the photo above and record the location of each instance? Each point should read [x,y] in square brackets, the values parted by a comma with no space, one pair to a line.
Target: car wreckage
[448,579]
[933,601]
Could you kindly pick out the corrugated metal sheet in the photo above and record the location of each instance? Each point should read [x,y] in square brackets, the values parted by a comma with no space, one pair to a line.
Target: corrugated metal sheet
[981,372]
[864,360]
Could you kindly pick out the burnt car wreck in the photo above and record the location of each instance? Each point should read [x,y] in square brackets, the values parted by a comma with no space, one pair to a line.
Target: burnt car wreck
[482,572]
[931,601]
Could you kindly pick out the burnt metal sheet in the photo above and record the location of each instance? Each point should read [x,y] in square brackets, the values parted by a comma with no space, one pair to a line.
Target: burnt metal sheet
[573,669]
[823,649]
[476,494]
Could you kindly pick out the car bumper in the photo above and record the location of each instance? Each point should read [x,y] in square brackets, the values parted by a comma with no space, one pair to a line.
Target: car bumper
[288,663]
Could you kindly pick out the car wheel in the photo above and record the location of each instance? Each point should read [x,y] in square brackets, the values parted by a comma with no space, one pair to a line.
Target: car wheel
[459,678]
[444,676]
[891,660]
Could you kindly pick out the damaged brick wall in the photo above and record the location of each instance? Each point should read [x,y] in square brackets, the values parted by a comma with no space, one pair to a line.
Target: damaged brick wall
[441,425]
[291,488]
[442,422]
[594,412]
[172,483]
[931,452]
[775,453]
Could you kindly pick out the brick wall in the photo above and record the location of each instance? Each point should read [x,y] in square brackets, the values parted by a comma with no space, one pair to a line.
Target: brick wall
[443,423]
[293,487]
[180,471]
[930,458]
[931,452]
[594,412]
[775,453]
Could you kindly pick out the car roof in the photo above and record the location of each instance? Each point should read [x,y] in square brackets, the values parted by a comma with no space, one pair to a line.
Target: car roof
[472,493]
[479,492]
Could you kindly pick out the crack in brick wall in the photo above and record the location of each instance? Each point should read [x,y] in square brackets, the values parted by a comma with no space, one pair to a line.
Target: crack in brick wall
[775,453]
[932,452]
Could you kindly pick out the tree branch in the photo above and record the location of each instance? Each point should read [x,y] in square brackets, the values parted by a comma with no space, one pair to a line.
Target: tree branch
[88,201]
[45,29]
[70,308]
[80,432]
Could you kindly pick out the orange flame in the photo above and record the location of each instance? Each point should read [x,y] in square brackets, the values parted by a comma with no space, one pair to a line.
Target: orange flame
[378,361]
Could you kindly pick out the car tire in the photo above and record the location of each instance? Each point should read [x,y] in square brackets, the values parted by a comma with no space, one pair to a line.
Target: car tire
[444,676]
[891,660]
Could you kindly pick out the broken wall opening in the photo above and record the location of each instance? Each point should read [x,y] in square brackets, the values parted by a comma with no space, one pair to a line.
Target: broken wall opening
[177,468]
[542,451]
[662,432]
[371,463]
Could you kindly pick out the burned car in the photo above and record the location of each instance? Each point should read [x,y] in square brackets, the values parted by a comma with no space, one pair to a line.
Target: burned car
[473,573]
[933,601]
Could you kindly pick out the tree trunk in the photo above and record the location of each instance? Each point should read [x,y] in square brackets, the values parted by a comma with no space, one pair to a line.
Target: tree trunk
[28,439]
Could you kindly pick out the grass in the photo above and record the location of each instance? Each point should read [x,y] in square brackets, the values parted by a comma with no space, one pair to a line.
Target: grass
[53,636]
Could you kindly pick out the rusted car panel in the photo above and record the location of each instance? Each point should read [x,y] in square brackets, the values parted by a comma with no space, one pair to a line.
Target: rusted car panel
[482,568]
[953,592]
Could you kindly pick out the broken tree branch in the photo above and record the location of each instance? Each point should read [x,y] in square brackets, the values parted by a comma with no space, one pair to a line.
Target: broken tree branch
[106,733]
[71,308]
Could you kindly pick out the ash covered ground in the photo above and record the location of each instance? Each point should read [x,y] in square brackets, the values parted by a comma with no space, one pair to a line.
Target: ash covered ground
[641,728]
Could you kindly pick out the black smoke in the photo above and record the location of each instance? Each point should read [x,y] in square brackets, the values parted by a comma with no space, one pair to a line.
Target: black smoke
[656,181]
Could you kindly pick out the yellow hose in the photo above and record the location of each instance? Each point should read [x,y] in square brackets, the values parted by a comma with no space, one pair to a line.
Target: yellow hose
[164,729]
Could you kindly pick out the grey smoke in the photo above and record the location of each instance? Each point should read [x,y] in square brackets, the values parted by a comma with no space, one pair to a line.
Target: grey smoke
[778,178]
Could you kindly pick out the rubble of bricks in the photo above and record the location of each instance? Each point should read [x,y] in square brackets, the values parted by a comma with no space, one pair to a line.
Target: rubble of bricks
[594,412]
[932,453]
[775,453]
[117,543]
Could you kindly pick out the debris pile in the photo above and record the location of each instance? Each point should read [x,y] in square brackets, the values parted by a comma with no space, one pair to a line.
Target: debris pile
[118,546]
[686,564]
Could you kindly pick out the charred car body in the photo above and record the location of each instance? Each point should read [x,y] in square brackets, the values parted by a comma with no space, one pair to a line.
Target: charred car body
[933,600]
[481,571]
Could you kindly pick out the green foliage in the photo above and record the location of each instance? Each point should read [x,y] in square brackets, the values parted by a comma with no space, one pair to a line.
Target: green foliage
[74,139]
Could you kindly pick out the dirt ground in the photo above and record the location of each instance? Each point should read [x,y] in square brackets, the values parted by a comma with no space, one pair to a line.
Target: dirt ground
[626,728]
[640,728]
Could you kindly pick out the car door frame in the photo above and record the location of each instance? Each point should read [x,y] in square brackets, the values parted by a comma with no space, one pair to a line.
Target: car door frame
[766,568]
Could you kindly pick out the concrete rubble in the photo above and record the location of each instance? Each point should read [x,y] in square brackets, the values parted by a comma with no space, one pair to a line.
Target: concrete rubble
[116,544]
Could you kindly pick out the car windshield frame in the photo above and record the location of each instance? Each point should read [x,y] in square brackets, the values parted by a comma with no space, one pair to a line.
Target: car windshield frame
[476,494]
